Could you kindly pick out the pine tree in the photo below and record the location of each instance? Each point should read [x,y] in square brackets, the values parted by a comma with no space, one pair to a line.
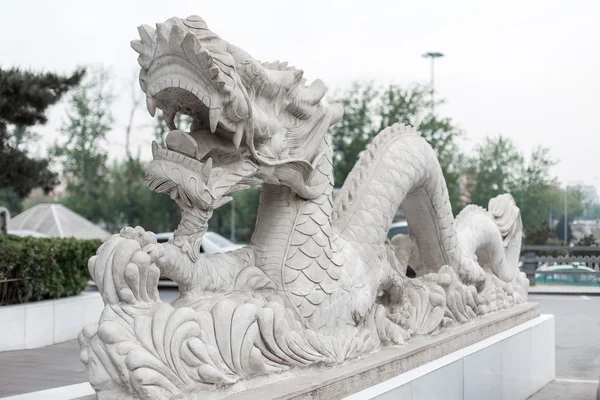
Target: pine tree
[24,98]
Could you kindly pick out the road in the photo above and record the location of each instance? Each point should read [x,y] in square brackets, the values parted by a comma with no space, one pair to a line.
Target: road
[577,346]
[577,353]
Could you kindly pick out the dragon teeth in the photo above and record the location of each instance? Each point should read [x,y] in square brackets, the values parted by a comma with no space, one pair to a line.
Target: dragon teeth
[151,104]
[207,168]
[239,133]
[214,115]
[170,119]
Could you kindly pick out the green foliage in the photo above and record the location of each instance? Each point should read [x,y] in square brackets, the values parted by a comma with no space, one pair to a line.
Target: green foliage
[496,168]
[368,110]
[48,268]
[245,204]
[351,135]
[536,189]
[155,212]
[539,235]
[24,98]
[11,200]
[588,240]
[89,119]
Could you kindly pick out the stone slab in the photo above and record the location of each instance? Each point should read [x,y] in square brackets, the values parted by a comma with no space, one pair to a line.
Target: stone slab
[344,380]
[43,323]
[412,370]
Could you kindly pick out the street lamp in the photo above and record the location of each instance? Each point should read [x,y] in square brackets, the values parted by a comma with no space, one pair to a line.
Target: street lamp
[433,56]
[566,220]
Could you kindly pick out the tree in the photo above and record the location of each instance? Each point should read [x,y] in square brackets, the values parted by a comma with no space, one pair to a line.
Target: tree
[21,136]
[24,98]
[495,168]
[574,210]
[368,110]
[351,135]
[498,167]
[138,206]
[135,103]
[588,240]
[536,189]
[10,200]
[539,235]
[89,119]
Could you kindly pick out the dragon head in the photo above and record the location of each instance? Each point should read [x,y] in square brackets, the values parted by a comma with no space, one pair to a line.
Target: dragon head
[253,122]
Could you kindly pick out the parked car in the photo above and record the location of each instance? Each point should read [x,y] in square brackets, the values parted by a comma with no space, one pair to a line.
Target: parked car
[563,275]
[400,227]
[212,243]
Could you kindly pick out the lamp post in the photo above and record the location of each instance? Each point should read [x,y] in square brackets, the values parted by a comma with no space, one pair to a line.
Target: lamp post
[433,56]
[566,220]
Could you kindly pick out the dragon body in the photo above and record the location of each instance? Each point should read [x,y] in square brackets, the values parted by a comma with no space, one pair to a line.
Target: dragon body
[319,282]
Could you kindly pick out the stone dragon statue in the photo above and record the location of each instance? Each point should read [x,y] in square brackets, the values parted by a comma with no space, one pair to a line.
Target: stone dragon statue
[319,283]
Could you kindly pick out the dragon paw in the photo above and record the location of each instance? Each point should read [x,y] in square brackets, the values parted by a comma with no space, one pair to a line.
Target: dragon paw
[123,269]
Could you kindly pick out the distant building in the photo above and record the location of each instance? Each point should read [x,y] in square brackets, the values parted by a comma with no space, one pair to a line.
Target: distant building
[590,192]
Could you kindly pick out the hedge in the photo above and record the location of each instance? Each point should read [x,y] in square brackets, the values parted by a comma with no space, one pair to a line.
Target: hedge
[46,268]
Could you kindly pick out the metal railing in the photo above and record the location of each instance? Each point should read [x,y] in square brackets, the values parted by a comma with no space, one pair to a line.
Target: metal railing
[533,257]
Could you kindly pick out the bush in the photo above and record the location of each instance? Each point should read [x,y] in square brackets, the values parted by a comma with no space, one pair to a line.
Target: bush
[47,268]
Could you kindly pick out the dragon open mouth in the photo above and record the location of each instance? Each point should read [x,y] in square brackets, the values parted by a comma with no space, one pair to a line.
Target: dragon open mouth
[192,162]
[252,122]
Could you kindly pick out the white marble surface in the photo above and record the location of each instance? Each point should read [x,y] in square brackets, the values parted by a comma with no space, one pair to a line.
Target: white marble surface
[12,334]
[401,393]
[68,318]
[516,366]
[482,370]
[543,367]
[60,393]
[42,323]
[510,365]
[39,324]
[443,383]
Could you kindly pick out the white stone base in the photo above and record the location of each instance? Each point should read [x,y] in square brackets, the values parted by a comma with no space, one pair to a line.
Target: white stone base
[71,392]
[511,365]
[42,323]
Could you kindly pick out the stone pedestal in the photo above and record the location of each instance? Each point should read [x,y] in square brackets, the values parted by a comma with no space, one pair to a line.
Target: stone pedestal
[505,355]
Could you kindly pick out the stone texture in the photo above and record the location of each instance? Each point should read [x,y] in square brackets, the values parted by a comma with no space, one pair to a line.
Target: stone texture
[319,283]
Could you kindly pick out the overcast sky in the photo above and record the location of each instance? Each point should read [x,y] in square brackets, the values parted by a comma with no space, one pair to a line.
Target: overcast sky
[528,70]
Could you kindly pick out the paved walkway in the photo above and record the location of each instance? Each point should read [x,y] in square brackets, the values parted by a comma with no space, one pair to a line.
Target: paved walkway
[577,354]
[567,390]
[38,369]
